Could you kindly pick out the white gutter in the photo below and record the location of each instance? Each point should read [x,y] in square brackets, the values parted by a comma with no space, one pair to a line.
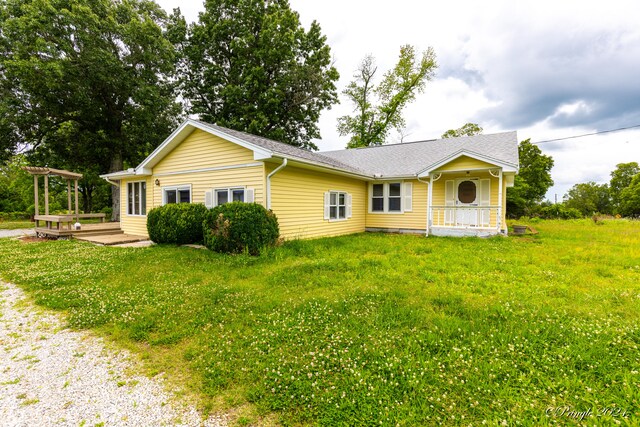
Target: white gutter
[116,183]
[273,172]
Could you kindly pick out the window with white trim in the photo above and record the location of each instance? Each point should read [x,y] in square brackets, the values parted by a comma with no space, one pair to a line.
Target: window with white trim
[137,198]
[233,194]
[176,194]
[337,205]
[391,197]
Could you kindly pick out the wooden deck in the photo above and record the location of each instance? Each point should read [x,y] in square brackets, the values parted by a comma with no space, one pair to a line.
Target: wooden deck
[107,233]
[87,229]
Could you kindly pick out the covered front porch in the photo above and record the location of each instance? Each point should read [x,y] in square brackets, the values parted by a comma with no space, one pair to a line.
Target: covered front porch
[467,197]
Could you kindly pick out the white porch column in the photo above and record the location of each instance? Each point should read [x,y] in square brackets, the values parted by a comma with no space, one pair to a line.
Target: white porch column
[429,205]
[499,218]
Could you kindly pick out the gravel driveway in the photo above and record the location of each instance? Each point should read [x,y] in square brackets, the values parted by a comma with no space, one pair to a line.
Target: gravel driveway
[50,375]
[17,232]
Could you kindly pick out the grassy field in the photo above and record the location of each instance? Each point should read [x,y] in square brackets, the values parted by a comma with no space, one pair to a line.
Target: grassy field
[371,329]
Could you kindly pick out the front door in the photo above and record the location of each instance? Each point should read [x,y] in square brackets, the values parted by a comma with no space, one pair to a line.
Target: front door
[466,197]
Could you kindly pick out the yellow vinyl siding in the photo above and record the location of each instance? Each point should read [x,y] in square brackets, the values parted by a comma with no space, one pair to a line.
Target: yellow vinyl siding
[464,163]
[438,196]
[203,150]
[187,164]
[414,220]
[250,177]
[297,199]
[134,224]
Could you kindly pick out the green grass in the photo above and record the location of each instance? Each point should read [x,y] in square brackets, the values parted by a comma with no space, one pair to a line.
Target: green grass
[371,329]
[14,225]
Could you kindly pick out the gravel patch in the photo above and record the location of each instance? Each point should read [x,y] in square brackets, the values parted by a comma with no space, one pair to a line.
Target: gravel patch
[17,232]
[51,375]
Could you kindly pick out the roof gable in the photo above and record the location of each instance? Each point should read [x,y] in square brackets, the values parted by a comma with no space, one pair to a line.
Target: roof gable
[416,158]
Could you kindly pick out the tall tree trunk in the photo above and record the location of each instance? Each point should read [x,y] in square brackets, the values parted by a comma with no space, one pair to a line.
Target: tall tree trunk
[116,165]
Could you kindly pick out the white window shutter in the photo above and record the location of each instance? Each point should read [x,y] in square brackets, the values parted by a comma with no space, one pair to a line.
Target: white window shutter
[485,192]
[326,205]
[349,208]
[408,196]
[208,199]
[249,195]
[449,193]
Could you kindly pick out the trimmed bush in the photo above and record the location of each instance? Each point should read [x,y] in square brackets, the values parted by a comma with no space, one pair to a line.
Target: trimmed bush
[178,223]
[240,228]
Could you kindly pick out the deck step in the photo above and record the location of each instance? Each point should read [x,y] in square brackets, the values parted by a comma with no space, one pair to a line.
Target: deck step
[96,233]
[112,239]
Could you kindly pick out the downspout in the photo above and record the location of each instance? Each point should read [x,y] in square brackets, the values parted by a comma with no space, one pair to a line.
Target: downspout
[428,207]
[116,183]
[273,172]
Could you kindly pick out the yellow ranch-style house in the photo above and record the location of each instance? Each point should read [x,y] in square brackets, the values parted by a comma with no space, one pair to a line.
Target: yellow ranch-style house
[446,187]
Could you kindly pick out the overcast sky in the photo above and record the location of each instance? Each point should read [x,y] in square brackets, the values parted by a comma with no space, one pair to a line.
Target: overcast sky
[547,69]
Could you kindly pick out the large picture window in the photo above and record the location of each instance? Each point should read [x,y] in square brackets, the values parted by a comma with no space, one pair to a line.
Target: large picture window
[181,194]
[137,198]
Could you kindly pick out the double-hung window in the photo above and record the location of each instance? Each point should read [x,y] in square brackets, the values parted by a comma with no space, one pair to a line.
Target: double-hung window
[177,194]
[226,195]
[137,198]
[220,196]
[337,205]
[391,197]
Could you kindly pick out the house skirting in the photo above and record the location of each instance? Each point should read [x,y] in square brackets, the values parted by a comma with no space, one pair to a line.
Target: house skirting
[395,230]
[465,232]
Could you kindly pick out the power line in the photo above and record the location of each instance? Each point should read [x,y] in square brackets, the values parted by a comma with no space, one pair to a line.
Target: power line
[586,134]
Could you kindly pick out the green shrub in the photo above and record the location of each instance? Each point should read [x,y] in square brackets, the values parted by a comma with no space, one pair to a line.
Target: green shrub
[240,228]
[179,223]
[559,211]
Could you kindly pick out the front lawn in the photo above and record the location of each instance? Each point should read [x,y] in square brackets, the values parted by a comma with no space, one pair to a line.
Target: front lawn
[371,329]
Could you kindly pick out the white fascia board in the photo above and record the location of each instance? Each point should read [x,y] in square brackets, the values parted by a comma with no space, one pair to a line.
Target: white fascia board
[506,167]
[184,130]
[307,164]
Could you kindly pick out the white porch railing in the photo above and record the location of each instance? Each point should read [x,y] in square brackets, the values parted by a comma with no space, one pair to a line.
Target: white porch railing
[465,216]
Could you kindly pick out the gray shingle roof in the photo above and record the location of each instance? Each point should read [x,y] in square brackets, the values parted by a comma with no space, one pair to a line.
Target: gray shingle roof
[393,160]
[412,158]
[286,149]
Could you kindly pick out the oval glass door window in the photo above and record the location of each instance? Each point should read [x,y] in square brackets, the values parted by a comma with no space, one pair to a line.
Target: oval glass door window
[467,192]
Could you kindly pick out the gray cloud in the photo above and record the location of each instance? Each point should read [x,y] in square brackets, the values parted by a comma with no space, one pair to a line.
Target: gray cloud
[533,75]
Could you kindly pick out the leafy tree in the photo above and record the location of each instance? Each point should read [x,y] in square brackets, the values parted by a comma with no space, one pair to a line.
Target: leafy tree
[589,198]
[378,109]
[630,198]
[620,179]
[250,65]
[532,181]
[86,84]
[468,129]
